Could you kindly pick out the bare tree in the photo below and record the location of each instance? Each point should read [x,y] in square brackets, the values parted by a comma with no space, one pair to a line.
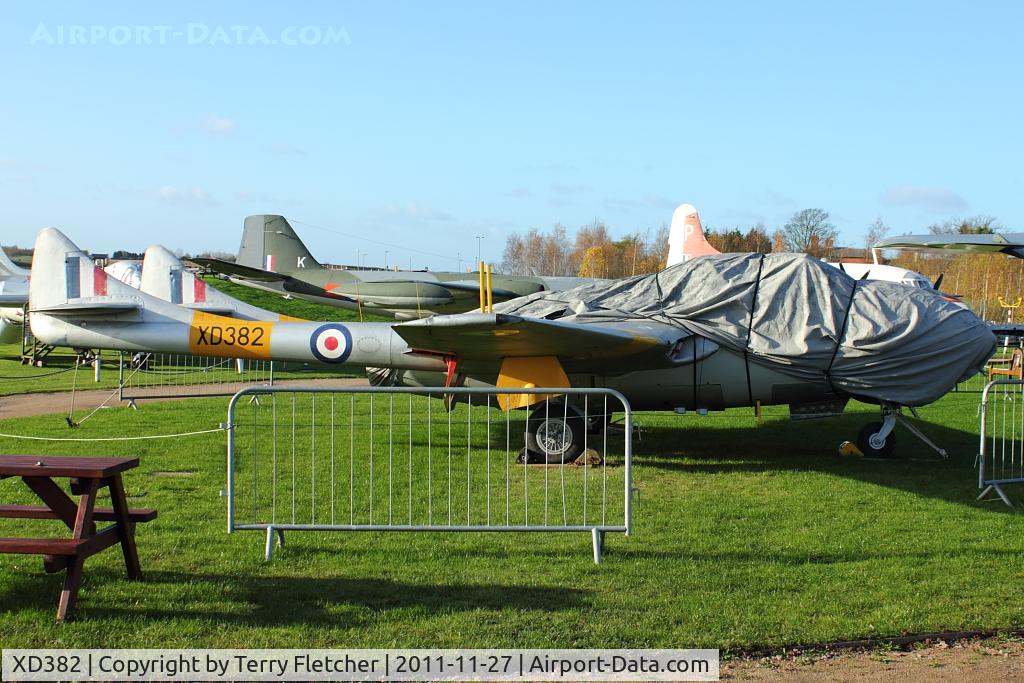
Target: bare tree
[810,230]
[876,232]
[513,260]
[778,242]
[972,225]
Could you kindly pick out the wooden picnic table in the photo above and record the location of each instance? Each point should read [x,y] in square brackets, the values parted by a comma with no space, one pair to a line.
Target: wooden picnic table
[87,477]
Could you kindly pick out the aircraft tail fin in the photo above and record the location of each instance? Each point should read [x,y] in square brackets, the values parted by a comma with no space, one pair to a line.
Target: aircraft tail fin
[65,279]
[270,243]
[165,277]
[9,268]
[686,237]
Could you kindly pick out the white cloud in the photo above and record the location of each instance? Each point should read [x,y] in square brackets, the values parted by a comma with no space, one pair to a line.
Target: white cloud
[556,167]
[288,150]
[622,205]
[779,199]
[930,198]
[569,189]
[659,202]
[193,196]
[220,126]
[519,192]
[261,197]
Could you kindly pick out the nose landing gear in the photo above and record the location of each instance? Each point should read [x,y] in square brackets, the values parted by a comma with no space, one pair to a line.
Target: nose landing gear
[877,440]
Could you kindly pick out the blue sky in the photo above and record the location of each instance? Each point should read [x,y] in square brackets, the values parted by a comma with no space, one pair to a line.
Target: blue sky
[428,124]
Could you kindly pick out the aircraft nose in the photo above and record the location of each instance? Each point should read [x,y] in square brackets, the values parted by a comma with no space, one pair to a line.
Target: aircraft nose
[909,346]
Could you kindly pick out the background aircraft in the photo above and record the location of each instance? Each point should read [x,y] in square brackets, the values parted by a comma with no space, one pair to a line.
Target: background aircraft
[683,339]
[13,297]
[272,257]
[166,277]
[686,241]
[1011,243]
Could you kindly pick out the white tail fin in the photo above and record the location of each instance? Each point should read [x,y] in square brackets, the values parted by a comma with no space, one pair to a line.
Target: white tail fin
[13,282]
[165,277]
[69,294]
[10,269]
[686,237]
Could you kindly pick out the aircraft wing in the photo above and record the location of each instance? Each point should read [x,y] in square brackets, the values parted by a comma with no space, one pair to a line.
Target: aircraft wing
[1008,243]
[474,288]
[490,336]
[238,270]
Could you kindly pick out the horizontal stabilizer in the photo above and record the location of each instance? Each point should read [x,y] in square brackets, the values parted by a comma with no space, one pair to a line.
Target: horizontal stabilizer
[99,309]
[226,311]
[238,270]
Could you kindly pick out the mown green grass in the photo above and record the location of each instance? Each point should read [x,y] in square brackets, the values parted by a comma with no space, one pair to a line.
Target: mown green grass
[745,535]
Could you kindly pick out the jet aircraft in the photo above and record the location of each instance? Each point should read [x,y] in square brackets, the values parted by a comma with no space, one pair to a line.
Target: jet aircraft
[725,331]
[273,258]
[13,297]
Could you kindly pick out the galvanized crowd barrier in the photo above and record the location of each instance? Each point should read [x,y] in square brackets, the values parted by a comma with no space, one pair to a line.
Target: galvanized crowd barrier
[145,375]
[1001,437]
[428,459]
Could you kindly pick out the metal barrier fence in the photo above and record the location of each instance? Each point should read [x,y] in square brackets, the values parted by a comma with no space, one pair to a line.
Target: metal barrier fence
[428,459]
[1001,437]
[158,375]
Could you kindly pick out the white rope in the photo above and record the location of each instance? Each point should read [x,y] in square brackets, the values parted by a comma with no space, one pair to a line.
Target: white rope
[95,410]
[112,438]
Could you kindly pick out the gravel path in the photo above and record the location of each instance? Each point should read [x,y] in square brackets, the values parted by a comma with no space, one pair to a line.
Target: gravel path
[972,660]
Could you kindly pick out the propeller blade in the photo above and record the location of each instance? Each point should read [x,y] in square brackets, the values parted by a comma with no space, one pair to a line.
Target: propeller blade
[938,281]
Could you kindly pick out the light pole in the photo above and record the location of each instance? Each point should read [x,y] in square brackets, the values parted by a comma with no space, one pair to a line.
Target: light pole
[479,240]
[458,258]
[385,259]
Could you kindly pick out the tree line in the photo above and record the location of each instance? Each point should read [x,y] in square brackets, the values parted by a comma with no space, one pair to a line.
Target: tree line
[593,252]
[984,281]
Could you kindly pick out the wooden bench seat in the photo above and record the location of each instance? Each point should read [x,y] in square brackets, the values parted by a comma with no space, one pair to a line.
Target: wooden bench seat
[42,546]
[99,514]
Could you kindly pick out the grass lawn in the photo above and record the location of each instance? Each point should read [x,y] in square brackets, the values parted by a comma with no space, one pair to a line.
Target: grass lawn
[745,535]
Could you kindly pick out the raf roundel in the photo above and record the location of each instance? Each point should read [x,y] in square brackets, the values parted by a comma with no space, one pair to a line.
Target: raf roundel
[331,343]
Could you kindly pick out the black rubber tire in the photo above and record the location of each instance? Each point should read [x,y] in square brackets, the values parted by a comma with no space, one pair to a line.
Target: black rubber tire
[555,434]
[864,443]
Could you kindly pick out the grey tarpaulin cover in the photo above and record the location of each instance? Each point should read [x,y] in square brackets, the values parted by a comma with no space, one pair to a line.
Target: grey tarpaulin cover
[874,340]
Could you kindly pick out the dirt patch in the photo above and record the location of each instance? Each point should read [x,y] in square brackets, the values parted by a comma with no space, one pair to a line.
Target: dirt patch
[27,405]
[974,660]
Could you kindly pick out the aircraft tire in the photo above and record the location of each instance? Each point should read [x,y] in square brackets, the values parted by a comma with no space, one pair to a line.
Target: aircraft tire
[870,450]
[554,434]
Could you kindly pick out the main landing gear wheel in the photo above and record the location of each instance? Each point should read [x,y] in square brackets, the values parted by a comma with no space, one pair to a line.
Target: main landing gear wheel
[555,434]
[872,445]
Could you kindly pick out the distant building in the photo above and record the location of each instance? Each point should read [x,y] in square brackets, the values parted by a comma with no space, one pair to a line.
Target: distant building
[853,255]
